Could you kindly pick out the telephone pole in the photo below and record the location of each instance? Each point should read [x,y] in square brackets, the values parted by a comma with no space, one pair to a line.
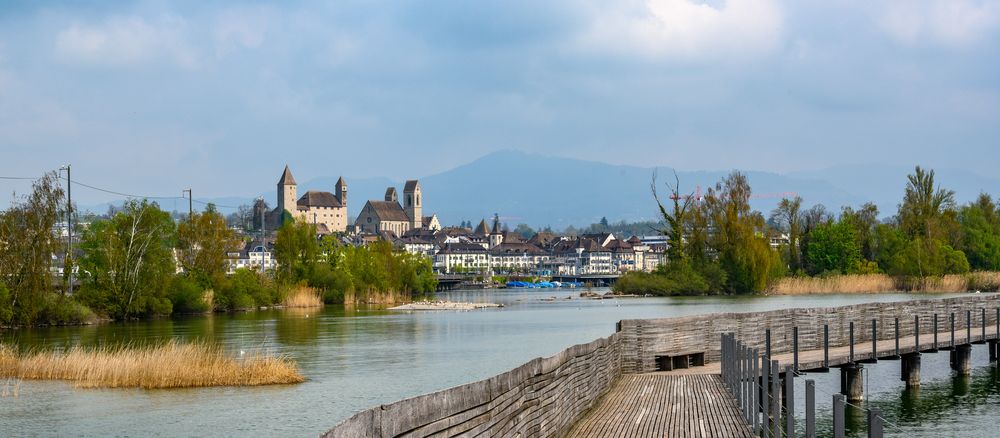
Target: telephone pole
[263,234]
[67,259]
[190,206]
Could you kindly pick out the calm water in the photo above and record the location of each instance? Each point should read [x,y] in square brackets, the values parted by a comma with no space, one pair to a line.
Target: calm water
[358,357]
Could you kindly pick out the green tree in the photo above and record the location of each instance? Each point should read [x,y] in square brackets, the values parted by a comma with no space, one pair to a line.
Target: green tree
[129,259]
[203,243]
[924,204]
[740,241]
[675,220]
[833,248]
[981,233]
[296,250]
[27,244]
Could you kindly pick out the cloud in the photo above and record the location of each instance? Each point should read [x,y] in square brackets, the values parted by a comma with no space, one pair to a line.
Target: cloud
[127,41]
[686,29]
[953,23]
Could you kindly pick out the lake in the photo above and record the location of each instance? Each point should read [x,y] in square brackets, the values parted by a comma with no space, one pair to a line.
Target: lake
[355,357]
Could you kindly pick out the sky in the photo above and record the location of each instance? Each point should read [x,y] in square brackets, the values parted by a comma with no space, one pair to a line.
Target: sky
[155,97]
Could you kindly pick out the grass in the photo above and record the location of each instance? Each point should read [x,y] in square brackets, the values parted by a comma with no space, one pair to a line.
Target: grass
[303,296]
[839,284]
[170,365]
[875,283]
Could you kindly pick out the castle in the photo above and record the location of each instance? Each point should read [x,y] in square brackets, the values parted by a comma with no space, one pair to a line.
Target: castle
[328,211]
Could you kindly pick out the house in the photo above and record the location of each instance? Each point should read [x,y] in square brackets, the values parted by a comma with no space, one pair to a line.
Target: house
[516,257]
[328,211]
[461,257]
[251,257]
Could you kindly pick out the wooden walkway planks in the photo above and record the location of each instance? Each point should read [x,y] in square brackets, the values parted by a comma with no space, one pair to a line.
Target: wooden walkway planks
[813,357]
[660,405]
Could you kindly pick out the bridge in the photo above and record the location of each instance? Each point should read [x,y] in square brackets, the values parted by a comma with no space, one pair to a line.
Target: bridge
[593,279]
[718,375]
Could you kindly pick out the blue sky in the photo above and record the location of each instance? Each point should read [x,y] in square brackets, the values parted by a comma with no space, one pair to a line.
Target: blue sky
[154,97]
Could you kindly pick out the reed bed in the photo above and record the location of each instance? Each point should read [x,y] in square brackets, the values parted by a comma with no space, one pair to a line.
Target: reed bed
[875,283]
[170,365]
[303,296]
[841,284]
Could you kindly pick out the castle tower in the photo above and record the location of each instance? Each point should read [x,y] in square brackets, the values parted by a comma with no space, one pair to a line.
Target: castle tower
[286,192]
[341,192]
[412,205]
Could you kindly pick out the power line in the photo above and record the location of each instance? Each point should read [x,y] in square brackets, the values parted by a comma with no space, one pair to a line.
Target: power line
[126,195]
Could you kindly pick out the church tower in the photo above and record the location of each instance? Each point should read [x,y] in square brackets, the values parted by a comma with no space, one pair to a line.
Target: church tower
[412,205]
[286,193]
[341,189]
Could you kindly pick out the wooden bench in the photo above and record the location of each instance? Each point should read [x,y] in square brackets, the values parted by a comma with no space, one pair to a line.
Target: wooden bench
[680,360]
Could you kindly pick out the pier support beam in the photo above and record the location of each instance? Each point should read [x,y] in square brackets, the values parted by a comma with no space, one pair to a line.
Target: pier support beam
[910,370]
[994,350]
[852,383]
[961,359]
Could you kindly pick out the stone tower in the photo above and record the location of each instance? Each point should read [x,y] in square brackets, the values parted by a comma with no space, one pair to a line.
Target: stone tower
[341,189]
[412,205]
[496,236]
[286,192]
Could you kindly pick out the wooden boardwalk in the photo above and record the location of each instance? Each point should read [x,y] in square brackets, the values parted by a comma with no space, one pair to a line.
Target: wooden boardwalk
[663,405]
[812,358]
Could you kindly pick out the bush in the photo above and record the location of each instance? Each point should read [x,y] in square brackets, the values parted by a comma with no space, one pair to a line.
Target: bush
[187,295]
[244,290]
[63,310]
[678,278]
[6,306]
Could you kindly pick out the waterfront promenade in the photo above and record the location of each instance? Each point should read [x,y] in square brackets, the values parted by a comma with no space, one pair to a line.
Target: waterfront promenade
[618,386]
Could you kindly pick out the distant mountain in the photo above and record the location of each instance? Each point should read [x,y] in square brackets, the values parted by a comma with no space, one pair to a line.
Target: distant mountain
[551,191]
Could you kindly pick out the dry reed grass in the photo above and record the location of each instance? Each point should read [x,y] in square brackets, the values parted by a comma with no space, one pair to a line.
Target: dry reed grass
[171,365]
[875,283]
[303,296]
[841,284]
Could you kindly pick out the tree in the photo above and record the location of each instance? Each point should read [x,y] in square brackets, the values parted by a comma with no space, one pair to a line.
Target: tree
[524,230]
[739,238]
[203,244]
[923,204]
[864,221]
[833,248]
[981,233]
[787,216]
[27,243]
[296,250]
[675,220]
[129,259]
[604,223]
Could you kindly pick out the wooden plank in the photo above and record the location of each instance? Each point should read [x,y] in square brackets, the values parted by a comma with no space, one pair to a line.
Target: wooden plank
[659,404]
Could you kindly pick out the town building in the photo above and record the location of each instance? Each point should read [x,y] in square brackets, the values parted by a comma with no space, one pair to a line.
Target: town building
[328,211]
[392,216]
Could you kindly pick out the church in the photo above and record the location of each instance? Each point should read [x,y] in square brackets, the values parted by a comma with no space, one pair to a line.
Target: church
[328,211]
[389,216]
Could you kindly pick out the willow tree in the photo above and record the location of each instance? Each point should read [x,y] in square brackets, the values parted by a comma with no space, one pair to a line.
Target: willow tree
[739,237]
[27,244]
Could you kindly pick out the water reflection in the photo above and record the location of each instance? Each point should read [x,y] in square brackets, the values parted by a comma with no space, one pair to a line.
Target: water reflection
[359,356]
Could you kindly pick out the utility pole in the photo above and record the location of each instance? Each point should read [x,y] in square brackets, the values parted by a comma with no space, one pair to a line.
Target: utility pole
[67,259]
[190,206]
[263,234]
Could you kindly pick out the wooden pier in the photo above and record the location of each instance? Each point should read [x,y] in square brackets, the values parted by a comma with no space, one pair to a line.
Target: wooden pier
[718,375]
[663,405]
